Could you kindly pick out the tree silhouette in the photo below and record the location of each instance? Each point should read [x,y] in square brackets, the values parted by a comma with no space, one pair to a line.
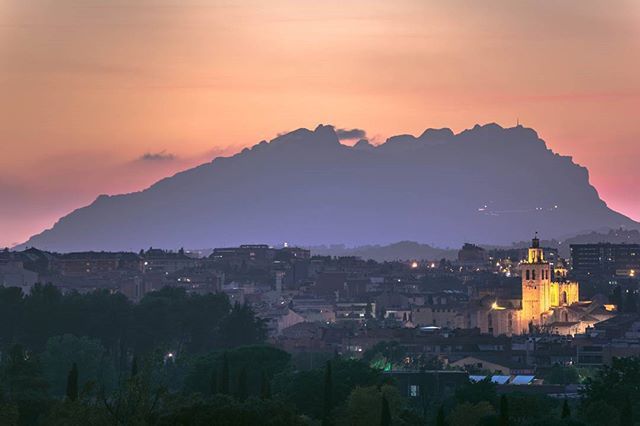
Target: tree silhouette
[243,391]
[134,366]
[242,327]
[224,383]
[385,415]
[72,383]
[328,395]
[566,411]
[504,411]
[626,414]
[265,386]
[440,417]
[213,382]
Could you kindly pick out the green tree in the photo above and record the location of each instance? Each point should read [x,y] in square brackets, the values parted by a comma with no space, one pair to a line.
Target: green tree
[562,375]
[598,413]
[440,418]
[77,413]
[25,386]
[469,414]
[138,400]
[302,388]
[88,355]
[11,308]
[8,412]
[41,316]
[134,366]
[566,411]
[72,383]
[224,383]
[372,405]
[504,411]
[475,392]
[222,410]
[328,395]
[243,391]
[385,415]
[612,385]
[99,315]
[524,408]
[267,359]
[242,327]
[265,386]
[213,382]
[626,415]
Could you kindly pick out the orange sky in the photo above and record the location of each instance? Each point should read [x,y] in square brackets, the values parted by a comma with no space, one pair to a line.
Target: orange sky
[88,87]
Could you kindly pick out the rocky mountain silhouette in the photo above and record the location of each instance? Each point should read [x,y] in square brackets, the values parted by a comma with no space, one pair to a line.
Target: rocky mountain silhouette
[488,184]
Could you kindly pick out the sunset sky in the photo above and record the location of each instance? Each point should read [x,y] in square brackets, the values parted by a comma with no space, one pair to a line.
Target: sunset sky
[107,96]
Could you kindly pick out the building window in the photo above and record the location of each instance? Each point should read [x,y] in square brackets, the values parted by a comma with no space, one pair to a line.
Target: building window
[533,274]
[527,273]
[414,391]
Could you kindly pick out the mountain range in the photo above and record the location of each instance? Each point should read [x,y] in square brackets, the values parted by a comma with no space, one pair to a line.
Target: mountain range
[488,184]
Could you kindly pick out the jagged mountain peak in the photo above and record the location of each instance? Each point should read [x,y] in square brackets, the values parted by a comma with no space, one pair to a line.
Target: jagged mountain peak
[363,144]
[487,184]
[324,135]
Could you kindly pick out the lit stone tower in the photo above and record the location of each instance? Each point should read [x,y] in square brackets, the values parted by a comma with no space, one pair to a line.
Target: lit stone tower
[536,285]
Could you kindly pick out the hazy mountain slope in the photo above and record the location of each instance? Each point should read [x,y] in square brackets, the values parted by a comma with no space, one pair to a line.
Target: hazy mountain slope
[306,188]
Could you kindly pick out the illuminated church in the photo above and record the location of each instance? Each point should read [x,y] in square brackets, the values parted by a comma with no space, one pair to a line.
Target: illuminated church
[549,303]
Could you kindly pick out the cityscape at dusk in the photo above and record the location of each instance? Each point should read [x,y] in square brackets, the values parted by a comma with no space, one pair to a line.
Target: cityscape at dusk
[336,213]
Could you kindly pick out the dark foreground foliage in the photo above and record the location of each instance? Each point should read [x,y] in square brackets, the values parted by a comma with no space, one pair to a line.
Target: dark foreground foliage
[176,359]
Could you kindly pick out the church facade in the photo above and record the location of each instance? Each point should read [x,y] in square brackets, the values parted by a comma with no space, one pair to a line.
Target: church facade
[549,302]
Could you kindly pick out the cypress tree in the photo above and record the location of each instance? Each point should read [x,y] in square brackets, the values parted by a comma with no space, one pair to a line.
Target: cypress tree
[504,411]
[213,382]
[72,383]
[243,391]
[224,384]
[626,414]
[265,387]
[566,411]
[440,418]
[328,395]
[385,415]
[134,366]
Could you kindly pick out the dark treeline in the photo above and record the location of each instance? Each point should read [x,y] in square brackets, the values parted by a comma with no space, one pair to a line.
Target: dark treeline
[168,319]
[177,359]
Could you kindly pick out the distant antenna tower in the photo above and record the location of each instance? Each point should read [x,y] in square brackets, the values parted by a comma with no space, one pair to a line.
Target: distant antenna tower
[518,121]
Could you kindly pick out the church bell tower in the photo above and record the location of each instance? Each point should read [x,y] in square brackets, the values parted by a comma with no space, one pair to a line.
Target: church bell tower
[536,285]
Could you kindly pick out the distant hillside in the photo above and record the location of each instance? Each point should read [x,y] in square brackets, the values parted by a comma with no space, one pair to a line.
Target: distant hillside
[613,236]
[487,184]
[404,250]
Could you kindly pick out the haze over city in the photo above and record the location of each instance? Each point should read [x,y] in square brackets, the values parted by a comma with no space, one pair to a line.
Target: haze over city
[110,96]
